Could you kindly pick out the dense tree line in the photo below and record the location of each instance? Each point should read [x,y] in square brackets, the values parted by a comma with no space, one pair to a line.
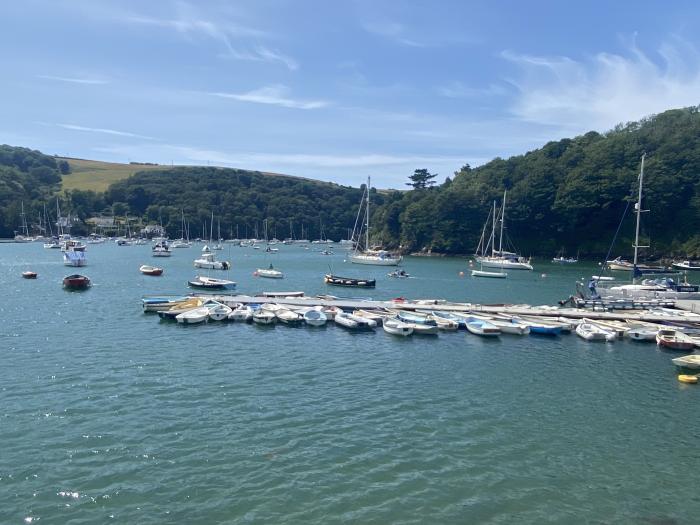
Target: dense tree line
[240,200]
[568,196]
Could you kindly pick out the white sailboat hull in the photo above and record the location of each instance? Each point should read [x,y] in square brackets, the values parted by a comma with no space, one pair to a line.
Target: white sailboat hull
[503,264]
[375,260]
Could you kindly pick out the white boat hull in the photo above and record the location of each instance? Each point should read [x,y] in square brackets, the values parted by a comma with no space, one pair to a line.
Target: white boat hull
[493,275]
[503,264]
[394,327]
[375,260]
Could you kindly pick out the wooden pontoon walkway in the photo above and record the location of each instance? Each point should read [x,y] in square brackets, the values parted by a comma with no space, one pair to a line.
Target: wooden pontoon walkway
[439,305]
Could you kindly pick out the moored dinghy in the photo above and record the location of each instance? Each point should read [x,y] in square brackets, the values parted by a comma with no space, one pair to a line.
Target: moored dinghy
[209,283]
[674,340]
[261,316]
[687,361]
[242,312]
[76,282]
[147,269]
[396,327]
[219,311]
[592,332]
[481,327]
[314,317]
[344,319]
[194,316]
[29,275]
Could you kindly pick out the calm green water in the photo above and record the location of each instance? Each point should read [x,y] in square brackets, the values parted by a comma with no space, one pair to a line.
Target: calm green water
[108,415]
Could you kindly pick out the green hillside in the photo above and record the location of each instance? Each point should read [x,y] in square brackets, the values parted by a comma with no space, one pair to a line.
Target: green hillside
[95,175]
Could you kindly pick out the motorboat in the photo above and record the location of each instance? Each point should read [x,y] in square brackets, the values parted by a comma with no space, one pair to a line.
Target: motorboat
[674,340]
[314,317]
[261,316]
[77,259]
[337,280]
[399,274]
[76,282]
[161,249]
[687,361]
[620,264]
[29,275]
[493,275]
[482,327]
[218,311]
[564,260]
[592,332]
[269,273]
[208,261]
[242,312]
[209,283]
[194,315]
[687,265]
[150,270]
[396,327]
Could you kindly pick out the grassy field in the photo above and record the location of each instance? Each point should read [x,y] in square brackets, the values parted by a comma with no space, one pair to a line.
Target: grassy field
[97,176]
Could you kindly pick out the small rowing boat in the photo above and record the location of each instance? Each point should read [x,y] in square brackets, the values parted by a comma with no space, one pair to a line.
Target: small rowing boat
[150,270]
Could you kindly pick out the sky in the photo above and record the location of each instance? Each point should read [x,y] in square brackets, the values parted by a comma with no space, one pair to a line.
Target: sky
[335,90]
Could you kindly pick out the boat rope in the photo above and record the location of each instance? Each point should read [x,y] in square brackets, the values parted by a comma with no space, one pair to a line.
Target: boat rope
[612,244]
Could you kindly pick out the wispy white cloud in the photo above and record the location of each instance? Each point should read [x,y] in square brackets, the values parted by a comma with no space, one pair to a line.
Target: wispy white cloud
[74,80]
[460,90]
[297,160]
[276,95]
[261,54]
[393,31]
[189,22]
[606,89]
[106,131]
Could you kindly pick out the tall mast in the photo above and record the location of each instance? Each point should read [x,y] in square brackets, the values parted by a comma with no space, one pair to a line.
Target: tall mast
[493,232]
[503,216]
[638,211]
[211,227]
[367,218]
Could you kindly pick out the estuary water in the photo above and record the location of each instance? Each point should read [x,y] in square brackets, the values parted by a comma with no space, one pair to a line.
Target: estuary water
[108,415]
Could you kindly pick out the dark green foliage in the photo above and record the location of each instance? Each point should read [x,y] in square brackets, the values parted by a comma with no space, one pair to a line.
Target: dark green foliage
[421,179]
[26,176]
[240,199]
[570,194]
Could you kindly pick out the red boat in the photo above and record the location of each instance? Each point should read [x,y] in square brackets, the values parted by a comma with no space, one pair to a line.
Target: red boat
[29,275]
[76,282]
[151,270]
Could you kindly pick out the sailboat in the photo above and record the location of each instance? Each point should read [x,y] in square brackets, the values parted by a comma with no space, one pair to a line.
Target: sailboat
[24,236]
[500,258]
[207,259]
[269,272]
[369,256]
[182,242]
[484,249]
[648,289]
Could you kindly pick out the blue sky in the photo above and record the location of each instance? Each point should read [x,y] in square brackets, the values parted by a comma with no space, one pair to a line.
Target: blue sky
[335,90]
